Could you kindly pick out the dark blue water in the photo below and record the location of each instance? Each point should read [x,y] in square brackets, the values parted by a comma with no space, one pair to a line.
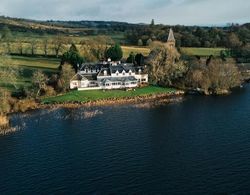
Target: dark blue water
[201,145]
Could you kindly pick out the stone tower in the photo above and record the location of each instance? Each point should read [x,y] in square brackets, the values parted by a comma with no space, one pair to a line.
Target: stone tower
[171,39]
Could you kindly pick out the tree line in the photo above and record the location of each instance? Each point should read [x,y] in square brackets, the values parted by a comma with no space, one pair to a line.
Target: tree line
[234,37]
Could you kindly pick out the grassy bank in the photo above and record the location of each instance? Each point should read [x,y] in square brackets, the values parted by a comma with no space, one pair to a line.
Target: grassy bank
[86,96]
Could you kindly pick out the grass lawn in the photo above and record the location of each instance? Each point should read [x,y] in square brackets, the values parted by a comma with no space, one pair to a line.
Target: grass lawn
[85,96]
[197,51]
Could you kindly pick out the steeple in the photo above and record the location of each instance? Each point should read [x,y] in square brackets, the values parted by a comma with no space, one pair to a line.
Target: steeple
[171,39]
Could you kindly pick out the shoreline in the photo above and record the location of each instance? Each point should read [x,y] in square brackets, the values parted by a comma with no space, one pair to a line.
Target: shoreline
[143,100]
[168,97]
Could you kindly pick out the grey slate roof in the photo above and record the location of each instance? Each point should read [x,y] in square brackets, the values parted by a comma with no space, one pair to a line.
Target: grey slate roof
[171,35]
[101,73]
[90,66]
[120,68]
[121,79]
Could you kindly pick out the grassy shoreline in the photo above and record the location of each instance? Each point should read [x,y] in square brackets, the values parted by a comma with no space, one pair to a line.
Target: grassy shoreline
[99,95]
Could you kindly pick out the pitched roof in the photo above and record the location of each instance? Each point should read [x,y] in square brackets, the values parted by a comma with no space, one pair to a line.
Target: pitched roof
[117,79]
[171,35]
[121,68]
[91,66]
[101,73]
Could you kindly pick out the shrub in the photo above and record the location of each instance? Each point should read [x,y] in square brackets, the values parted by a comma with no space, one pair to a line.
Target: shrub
[50,91]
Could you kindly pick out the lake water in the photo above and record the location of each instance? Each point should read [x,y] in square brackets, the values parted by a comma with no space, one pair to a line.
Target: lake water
[200,145]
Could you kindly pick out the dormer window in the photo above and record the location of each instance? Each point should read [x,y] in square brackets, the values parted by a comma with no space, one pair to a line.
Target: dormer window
[117,73]
[130,72]
[123,72]
[139,71]
[105,72]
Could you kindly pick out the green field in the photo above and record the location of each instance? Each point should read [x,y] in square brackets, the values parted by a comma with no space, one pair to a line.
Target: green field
[192,51]
[128,49]
[197,51]
[35,62]
[86,96]
[28,65]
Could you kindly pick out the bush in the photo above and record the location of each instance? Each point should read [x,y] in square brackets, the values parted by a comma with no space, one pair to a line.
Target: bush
[50,91]
[24,105]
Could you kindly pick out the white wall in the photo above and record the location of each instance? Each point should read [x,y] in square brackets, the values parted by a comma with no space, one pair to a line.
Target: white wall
[122,75]
[142,77]
[74,84]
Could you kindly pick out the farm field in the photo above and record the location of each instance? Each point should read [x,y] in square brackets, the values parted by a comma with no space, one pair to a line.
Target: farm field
[35,62]
[197,51]
[128,49]
[28,65]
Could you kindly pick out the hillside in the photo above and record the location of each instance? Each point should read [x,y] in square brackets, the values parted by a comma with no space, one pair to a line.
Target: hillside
[130,34]
[64,27]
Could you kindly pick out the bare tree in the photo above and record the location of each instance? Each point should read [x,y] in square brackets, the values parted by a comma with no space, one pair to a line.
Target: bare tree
[7,38]
[66,75]
[9,72]
[233,41]
[33,46]
[59,44]
[39,80]
[198,77]
[223,75]
[94,49]
[45,46]
[218,77]
[164,65]
[20,46]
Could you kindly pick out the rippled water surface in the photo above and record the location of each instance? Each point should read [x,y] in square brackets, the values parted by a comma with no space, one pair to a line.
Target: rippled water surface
[199,145]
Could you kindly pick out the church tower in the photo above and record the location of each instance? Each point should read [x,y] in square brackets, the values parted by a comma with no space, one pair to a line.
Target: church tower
[171,39]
